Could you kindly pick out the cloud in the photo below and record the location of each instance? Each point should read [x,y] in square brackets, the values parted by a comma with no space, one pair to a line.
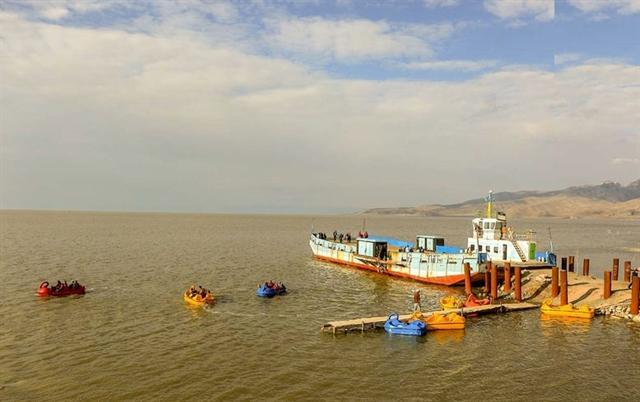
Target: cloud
[541,10]
[453,65]
[441,3]
[354,39]
[625,161]
[564,58]
[599,6]
[111,119]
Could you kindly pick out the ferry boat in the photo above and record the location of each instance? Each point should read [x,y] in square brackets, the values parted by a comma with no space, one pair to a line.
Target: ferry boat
[429,260]
[494,237]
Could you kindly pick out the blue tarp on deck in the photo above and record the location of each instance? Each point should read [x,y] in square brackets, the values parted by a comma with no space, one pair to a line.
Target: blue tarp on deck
[391,241]
[449,250]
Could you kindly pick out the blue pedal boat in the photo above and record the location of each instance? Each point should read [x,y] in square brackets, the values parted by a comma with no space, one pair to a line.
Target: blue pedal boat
[397,327]
[269,291]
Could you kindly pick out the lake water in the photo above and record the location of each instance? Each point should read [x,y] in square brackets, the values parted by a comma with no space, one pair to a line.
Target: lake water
[132,336]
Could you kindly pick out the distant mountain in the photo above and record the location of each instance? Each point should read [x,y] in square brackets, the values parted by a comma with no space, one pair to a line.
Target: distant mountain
[608,199]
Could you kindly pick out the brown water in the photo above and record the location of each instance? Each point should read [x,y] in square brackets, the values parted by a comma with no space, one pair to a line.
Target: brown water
[132,337]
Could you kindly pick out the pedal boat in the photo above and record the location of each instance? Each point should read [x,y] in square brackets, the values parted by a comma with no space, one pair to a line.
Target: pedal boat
[396,327]
[44,290]
[197,300]
[437,321]
[450,302]
[567,310]
[266,291]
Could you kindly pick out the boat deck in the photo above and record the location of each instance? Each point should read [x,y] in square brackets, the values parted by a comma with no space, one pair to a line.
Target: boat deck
[369,323]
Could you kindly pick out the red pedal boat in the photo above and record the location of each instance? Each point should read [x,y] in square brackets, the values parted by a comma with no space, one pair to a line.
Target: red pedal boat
[74,289]
[473,301]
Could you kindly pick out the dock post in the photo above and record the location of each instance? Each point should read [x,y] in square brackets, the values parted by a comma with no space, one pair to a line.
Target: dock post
[554,282]
[467,278]
[518,284]
[635,294]
[627,271]
[507,277]
[585,267]
[607,284]
[616,267]
[487,277]
[572,266]
[494,282]
[563,263]
[564,288]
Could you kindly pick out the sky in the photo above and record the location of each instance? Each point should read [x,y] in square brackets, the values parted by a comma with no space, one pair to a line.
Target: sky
[274,106]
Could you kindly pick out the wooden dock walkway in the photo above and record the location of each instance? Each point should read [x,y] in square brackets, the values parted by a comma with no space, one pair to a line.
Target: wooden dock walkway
[365,324]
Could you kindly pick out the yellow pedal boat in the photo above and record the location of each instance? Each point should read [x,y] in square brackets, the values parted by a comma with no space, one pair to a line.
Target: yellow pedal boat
[438,321]
[567,311]
[450,302]
[198,300]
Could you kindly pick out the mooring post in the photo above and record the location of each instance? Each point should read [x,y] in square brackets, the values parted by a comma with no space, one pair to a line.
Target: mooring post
[518,284]
[487,277]
[554,282]
[563,263]
[494,282]
[607,284]
[507,277]
[627,271]
[635,294]
[564,288]
[585,267]
[572,263]
[467,278]
[616,266]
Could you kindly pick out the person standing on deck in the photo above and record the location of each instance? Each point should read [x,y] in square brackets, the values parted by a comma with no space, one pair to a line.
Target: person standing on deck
[335,235]
[416,300]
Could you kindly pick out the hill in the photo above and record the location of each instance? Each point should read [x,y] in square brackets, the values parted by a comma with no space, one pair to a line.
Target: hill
[608,199]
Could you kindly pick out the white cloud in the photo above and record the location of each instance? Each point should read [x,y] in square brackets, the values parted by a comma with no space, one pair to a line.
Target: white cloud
[107,119]
[441,3]
[541,10]
[564,58]
[456,65]
[598,6]
[625,161]
[354,39]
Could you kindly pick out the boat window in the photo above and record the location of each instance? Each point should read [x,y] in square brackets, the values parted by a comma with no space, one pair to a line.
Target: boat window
[493,225]
[480,248]
[495,249]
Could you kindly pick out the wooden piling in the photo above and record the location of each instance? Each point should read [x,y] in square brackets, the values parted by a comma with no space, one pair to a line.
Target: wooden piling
[564,288]
[607,285]
[635,294]
[467,278]
[518,284]
[507,277]
[554,282]
[627,271]
[494,282]
[585,267]
[572,266]
[616,267]
[563,263]
[487,277]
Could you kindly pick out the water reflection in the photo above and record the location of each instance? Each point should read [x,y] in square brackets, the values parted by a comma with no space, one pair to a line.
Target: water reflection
[446,337]
[550,324]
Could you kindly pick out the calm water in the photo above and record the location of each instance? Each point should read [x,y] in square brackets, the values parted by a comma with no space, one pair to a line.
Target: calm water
[132,337]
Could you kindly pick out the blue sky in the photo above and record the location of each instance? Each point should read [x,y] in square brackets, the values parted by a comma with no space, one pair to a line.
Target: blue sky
[263,106]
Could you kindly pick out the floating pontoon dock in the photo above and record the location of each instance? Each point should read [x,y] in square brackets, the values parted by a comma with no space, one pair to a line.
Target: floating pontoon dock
[365,324]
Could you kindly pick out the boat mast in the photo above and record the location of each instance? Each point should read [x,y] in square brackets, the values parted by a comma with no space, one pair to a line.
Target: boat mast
[489,200]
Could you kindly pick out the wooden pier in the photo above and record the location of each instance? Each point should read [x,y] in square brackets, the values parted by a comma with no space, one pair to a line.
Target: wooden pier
[365,324]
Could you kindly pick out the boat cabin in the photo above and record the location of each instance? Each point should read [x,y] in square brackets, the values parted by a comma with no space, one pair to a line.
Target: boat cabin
[372,248]
[429,243]
[489,229]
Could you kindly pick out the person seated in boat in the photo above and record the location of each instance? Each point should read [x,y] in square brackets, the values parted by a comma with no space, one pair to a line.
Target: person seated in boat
[58,286]
[271,284]
[203,293]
